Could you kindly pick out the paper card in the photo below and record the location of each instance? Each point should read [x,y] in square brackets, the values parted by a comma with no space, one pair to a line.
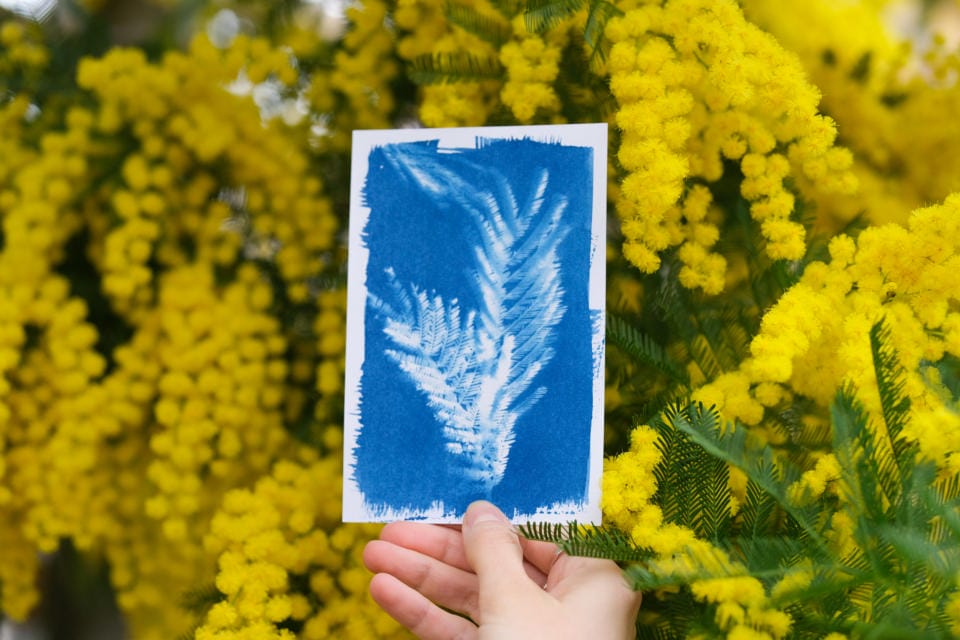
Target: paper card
[475,323]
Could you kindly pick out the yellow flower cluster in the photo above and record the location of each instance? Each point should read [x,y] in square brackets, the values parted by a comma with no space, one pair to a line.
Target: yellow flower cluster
[146,566]
[218,409]
[814,482]
[329,327]
[178,185]
[816,337]
[825,477]
[194,141]
[20,50]
[627,496]
[488,32]
[425,30]
[928,155]
[652,116]
[285,562]
[937,433]
[696,87]
[831,55]
[57,423]
[952,609]
[532,63]
[743,607]
[355,92]
[18,570]
[51,411]
[884,93]
[71,471]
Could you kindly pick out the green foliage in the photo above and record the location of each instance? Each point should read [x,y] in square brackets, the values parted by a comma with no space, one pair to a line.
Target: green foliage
[759,512]
[771,475]
[491,30]
[890,381]
[642,347]
[903,554]
[541,15]
[586,541]
[692,485]
[199,599]
[948,370]
[453,67]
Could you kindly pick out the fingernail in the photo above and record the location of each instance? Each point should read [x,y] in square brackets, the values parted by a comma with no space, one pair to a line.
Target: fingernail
[483,511]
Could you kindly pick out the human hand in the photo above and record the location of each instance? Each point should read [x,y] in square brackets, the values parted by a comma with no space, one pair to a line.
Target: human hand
[509,587]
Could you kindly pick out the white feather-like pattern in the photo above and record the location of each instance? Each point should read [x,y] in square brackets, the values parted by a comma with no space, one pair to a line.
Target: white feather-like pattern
[476,368]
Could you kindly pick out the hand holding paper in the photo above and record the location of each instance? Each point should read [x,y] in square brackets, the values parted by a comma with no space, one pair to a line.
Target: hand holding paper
[513,589]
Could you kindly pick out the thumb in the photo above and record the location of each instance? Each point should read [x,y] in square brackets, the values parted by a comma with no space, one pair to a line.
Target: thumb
[493,549]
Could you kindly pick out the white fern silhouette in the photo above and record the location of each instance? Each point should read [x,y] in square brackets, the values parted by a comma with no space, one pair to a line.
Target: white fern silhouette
[477,367]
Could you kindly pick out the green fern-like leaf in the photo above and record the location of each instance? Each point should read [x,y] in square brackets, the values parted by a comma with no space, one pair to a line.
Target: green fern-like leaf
[649,410]
[948,369]
[662,630]
[895,455]
[943,502]
[758,464]
[906,545]
[728,334]
[705,357]
[671,616]
[540,15]
[643,348]
[453,67]
[600,12]
[488,29]
[948,488]
[198,599]
[692,487]
[587,542]
[803,438]
[766,556]
[671,473]
[759,507]
[890,382]
[913,545]
[866,474]
[712,500]
[861,470]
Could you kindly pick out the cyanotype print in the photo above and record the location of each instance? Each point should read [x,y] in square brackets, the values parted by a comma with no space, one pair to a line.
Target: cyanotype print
[479,358]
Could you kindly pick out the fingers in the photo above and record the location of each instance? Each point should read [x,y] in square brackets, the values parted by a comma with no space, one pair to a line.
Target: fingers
[446,545]
[443,543]
[540,555]
[493,549]
[488,572]
[415,612]
[446,585]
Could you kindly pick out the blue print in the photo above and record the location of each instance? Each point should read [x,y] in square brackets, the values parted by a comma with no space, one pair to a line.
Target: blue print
[478,365]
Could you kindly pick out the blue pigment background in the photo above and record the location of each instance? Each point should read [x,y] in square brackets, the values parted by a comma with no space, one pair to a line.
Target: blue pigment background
[400,458]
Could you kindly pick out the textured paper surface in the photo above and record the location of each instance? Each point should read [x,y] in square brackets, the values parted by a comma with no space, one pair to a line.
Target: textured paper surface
[474,364]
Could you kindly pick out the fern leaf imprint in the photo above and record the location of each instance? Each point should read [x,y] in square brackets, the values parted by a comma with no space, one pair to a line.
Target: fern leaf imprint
[477,368]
